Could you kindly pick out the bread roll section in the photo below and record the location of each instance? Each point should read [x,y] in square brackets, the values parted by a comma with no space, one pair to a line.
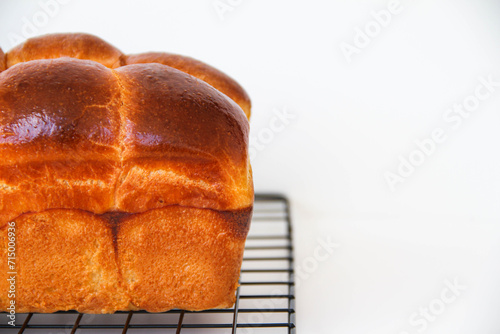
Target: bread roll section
[66,261]
[174,257]
[181,146]
[201,252]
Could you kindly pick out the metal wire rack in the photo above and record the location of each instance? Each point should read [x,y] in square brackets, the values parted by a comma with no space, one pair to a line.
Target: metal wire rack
[265,300]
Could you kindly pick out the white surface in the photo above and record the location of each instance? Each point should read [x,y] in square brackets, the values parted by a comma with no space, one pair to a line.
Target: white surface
[352,121]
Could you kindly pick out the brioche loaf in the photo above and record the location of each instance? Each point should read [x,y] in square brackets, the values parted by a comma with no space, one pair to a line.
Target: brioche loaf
[127,178]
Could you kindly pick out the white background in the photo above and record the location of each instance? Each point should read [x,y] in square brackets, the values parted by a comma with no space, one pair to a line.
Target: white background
[351,122]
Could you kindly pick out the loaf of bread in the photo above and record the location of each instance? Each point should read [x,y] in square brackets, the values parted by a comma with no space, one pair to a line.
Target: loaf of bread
[126,179]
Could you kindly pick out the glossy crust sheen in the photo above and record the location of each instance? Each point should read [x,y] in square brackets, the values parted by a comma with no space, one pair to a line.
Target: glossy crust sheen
[130,186]
[84,46]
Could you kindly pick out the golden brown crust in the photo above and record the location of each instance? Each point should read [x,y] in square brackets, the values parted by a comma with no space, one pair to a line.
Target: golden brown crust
[77,45]
[75,260]
[59,109]
[187,146]
[59,137]
[200,70]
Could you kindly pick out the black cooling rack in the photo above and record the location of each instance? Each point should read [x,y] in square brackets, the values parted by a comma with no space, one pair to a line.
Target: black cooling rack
[265,300]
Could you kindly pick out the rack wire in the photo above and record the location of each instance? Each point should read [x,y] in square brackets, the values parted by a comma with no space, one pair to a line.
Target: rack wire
[265,300]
